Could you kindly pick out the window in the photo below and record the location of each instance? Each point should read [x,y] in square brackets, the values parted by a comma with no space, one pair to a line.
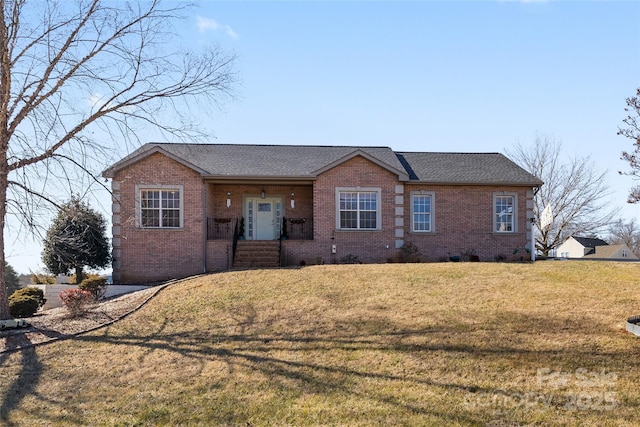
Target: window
[504,213]
[358,210]
[422,212]
[625,253]
[160,207]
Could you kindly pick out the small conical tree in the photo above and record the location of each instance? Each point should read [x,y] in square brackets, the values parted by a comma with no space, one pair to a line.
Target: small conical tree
[76,239]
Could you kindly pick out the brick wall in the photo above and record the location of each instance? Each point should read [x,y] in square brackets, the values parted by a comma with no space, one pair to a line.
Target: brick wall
[145,255]
[463,222]
[367,246]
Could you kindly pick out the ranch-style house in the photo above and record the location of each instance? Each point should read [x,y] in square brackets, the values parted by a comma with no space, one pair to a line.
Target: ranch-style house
[185,209]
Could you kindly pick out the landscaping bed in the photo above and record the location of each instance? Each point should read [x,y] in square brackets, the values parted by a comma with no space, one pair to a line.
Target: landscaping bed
[57,323]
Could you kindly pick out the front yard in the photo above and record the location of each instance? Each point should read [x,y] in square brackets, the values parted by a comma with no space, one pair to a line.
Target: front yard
[399,344]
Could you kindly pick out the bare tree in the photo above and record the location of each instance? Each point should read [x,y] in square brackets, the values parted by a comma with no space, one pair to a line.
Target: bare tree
[575,191]
[632,131]
[627,233]
[80,79]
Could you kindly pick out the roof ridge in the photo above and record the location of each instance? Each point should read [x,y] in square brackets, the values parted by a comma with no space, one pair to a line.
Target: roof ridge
[203,144]
[449,152]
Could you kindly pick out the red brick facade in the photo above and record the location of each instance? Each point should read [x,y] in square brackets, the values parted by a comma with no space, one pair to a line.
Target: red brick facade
[462,220]
[143,254]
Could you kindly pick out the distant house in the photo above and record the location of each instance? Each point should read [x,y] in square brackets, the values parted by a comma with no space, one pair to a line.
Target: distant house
[185,209]
[620,252]
[578,247]
[586,247]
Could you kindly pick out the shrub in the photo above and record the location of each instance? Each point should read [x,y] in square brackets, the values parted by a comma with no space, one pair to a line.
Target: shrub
[469,255]
[408,253]
[23,305]
[500,258]
[350,259]
[36,293]
[44,279]
[96,285]
[76,300]
[74,281]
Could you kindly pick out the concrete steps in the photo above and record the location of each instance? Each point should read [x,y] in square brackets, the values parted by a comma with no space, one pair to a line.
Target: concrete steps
[257,254]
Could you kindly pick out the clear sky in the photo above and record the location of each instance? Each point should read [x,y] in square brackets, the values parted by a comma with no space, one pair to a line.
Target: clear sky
[475,76]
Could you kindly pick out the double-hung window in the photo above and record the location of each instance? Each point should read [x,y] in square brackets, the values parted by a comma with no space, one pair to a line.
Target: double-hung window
[422,212]
[504,213]
[160,207]
[358,209]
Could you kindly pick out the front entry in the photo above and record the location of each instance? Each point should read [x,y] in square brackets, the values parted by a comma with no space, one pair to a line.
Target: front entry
[264,216]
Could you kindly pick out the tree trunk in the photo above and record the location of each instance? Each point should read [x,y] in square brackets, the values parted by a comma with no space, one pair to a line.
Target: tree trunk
[4,300]
[79,275]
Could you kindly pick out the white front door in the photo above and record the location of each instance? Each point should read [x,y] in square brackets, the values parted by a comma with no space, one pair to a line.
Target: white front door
[265,220]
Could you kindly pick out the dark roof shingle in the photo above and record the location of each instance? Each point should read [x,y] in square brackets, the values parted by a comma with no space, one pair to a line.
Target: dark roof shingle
[306,161]
[466,168]
[589,242]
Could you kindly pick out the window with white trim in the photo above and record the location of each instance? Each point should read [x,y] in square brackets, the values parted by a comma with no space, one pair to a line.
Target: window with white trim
[422,212]
[160,207]
[504,213]
[358,209]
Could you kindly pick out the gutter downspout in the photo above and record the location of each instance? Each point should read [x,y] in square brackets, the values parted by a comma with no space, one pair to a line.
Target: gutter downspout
[533,229]
[533,242]
[204,226]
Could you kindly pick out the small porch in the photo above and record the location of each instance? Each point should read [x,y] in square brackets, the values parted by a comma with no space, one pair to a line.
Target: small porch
[259,211]
[252,220]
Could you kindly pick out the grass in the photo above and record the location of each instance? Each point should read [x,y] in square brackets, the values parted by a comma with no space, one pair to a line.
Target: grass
[414,344]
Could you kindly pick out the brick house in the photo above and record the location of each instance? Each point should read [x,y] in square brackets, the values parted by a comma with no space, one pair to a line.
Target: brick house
[184,209]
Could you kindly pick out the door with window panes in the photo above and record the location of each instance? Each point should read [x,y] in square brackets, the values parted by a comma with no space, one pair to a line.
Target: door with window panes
[263,218]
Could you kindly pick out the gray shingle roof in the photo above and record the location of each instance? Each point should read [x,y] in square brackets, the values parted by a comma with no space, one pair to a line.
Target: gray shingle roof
[304,161]
[466,168]
[224,160]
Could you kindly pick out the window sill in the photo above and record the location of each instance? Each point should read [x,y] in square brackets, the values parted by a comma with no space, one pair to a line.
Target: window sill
[160,228]
[357,230]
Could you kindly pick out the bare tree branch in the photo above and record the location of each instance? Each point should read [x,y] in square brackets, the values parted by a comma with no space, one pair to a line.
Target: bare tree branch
[80,78]
[632,131]
[627,233]
[575,190]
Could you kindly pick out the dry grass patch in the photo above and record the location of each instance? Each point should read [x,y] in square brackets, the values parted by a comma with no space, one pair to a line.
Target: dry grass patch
[413,344]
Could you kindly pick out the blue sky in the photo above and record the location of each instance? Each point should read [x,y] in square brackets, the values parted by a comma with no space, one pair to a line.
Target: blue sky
[423,76]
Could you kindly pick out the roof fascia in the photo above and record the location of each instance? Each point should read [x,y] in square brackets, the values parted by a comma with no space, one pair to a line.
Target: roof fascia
[402,176]
[479,184]
[110,172]
[261,180]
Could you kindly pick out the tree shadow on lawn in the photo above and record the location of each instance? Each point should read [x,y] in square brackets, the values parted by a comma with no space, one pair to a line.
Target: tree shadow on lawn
[256,351]
[25,381]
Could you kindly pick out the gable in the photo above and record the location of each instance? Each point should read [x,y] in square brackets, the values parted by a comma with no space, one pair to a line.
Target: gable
[402,175]
[357,170]
[156,168]
[140,155]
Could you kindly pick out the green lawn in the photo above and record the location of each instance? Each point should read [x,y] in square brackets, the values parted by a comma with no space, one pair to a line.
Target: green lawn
[398,344]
